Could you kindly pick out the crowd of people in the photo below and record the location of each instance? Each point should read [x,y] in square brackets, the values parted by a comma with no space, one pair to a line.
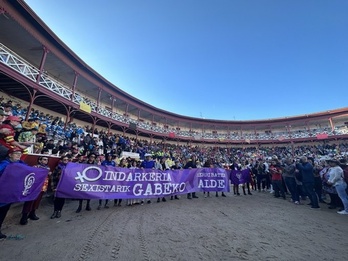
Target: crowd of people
[314,172]
[58,127]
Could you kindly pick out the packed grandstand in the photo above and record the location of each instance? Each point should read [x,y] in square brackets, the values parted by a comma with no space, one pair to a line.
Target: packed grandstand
[39,72]
[69,111]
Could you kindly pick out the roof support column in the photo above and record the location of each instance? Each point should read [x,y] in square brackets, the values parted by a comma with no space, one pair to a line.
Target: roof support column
[127,106]
[69,116]
[42,63]
[110,124]
[307,125]
[98,101]
[112,103]
[94,123]
[32,99]
[74,85]
[331,124]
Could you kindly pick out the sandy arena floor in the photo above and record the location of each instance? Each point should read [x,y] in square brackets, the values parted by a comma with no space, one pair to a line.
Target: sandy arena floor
[257,227]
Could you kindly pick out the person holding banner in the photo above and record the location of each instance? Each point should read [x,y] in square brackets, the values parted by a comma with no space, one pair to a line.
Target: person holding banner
[107,162]
[246,165]
[90,160]
[30,207]
[123,164]
[176,166]
[130,202]
[235,166]
[148,164]
[80,158]
[239,176]
[208,164]
[58,171]
[160,166]
[191,164]
[217,164]
[14,156]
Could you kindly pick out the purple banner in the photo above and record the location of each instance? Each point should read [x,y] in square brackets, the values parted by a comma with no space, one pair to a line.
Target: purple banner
[81,181]
[240,176]
[20,182]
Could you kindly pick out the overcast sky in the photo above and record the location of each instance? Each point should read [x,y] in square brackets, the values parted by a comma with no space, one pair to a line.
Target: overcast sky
[213,59]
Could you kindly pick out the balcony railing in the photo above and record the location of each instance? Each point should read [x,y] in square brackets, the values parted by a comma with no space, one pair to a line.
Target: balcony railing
[17,63]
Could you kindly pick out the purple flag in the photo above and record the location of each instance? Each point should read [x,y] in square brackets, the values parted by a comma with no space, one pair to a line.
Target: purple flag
[240,176]
[83,181]
[20,182]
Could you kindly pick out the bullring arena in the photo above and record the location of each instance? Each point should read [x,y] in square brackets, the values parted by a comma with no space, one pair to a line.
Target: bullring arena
[53,84]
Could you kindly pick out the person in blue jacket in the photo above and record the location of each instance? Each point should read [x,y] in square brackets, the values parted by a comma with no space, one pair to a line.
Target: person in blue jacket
[307,174]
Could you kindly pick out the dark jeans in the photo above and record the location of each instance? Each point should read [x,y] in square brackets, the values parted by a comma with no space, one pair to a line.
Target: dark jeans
[335,200]
[292,187]
[191,195]
[308,188]
[300,192]
[3,213]
[117,202]
[58,203]
[101,201]
[264,180]
[318,187]
[81,200]
[278,188]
